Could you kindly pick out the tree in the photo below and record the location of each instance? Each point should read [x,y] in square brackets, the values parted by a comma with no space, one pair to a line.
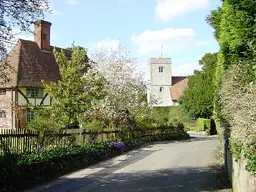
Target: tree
[17,13]
[77,90]
[198,97]
[234,24]
[126,89]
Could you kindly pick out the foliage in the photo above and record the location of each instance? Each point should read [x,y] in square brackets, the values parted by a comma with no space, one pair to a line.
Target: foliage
[74,93]
[170,114]
[143,123]
[16,14]
[234,22]
[43,123]
[203,124]
[95,127]
[125,87]
[198,98]
[236,111]
[250,153]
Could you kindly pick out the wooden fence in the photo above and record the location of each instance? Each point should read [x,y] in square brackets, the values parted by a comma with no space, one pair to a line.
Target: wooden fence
[20,140]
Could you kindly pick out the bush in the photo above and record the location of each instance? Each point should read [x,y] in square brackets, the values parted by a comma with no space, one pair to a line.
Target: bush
[203,124]
[170,114]
[235,114]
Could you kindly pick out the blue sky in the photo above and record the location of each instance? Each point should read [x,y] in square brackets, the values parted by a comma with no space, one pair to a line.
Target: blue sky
[142,25]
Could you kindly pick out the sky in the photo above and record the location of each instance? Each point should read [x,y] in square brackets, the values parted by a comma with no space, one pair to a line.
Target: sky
[148,28]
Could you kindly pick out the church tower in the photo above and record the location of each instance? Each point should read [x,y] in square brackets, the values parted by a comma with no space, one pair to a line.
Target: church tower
[160,81]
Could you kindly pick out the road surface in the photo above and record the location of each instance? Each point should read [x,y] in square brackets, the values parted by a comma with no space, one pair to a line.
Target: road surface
[174,166]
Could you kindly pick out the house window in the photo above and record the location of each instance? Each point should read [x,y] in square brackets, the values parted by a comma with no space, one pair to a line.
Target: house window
[2,92]
[30,116]
[34,92]
[161,69]
[2,114]
[161,89]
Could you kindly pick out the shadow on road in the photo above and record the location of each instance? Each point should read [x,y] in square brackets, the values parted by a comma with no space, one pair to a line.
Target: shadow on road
[169,180]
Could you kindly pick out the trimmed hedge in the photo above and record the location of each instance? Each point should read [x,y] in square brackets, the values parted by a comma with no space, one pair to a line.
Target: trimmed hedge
[203,124]
[170,114]
[19,172]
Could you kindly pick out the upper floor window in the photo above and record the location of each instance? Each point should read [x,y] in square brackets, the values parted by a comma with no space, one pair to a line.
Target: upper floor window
[2,92]
[2,114]
[161,89]
[34,92]
[161,69]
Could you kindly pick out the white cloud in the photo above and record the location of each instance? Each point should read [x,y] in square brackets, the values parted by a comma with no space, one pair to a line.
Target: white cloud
[72,2]
[185,69]
[165,41]
[167,10]
[107,44]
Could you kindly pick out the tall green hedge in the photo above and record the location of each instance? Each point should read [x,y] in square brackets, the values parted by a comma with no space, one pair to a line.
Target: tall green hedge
[170,114]
[203,124]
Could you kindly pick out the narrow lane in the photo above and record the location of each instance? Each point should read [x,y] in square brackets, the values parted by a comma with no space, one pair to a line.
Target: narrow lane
[175,166]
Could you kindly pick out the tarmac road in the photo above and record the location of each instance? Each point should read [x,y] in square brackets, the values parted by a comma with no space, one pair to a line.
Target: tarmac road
[180,166]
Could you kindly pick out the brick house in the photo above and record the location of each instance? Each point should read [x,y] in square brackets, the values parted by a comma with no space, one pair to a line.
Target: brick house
[31,62]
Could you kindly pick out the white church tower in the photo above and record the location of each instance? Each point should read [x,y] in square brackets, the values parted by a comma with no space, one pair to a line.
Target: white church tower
[160,81]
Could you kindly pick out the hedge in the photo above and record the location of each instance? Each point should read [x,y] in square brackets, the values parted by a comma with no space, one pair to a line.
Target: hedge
[203,124]
[170,114]
[19,172]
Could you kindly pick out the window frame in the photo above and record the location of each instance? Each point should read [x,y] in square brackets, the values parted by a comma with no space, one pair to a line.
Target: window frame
[161,69]
[34,93]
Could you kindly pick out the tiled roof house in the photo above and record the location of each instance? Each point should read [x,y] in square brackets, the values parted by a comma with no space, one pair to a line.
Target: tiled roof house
[179,85]
[31,62]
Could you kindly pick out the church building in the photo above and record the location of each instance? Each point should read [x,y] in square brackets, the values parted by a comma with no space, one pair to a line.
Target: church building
[163,87]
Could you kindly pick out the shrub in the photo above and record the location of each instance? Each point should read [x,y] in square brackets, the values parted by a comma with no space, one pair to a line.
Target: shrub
[203,124]
[94,127]
[170,114]
[235,113]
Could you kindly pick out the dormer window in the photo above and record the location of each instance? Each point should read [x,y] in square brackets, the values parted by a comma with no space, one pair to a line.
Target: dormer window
[161,69]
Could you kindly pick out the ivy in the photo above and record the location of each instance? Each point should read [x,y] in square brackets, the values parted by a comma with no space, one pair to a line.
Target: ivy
[250,155]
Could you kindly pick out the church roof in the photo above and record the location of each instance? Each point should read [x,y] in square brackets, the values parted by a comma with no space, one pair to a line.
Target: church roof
[179,85]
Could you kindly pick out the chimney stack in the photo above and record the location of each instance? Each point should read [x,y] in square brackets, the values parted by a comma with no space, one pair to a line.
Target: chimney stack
[42,32]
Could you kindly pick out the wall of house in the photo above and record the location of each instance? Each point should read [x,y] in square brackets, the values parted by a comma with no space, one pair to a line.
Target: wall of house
[33,101]
[6,105]
[160,79]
